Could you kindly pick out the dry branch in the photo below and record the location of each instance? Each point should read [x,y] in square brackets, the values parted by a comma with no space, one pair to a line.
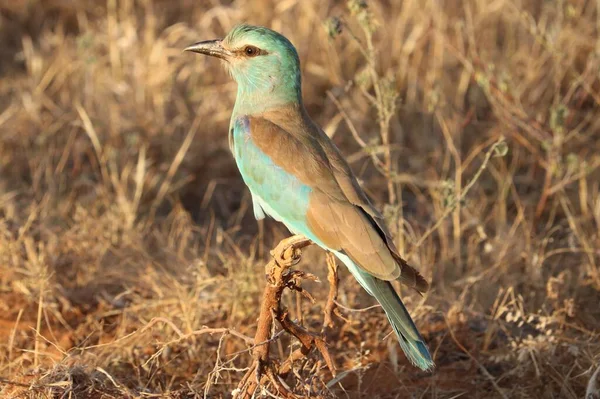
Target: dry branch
[279,277]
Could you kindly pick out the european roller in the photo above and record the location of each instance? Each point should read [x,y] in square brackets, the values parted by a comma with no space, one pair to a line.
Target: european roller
[297,176]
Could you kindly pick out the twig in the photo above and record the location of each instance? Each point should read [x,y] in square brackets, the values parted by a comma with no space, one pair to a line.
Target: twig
[346,308]
[177,160]
[14,383]
[38,325]
[462,195]
[11,341]
[202,331]
[308,340]
[593,387]
[376,161]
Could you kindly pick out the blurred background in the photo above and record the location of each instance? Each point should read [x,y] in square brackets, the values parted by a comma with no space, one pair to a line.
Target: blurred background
[473,125]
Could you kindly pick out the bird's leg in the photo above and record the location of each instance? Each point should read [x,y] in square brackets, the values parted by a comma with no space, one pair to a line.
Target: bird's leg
[332,277]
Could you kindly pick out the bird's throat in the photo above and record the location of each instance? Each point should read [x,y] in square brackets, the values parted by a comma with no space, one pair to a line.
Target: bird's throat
[265,86]
[258,101]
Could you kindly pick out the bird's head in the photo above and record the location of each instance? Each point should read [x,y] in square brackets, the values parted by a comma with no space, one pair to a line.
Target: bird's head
[264,63]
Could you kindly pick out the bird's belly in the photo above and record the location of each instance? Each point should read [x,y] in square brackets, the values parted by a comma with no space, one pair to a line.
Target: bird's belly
[273,213]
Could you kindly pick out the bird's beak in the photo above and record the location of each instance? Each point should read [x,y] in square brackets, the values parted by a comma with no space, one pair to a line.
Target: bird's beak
[213,48]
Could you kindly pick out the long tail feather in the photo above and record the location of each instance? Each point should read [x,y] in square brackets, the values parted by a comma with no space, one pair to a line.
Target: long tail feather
[409,337]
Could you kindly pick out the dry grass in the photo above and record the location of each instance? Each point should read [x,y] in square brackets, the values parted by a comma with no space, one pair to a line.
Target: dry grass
[120,203]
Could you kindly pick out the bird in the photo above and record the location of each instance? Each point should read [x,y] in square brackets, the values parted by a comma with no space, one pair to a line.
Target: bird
[297,175]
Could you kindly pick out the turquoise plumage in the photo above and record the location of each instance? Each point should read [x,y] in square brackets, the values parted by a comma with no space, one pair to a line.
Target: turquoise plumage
[274,191]
[297,176]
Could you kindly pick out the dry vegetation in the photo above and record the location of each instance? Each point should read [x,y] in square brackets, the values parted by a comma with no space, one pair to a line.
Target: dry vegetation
[125,228]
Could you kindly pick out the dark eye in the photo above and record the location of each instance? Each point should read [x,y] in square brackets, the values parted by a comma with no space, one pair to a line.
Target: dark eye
[251,51]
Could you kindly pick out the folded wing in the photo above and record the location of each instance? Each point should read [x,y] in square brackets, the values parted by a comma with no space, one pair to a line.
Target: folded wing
[338,214]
